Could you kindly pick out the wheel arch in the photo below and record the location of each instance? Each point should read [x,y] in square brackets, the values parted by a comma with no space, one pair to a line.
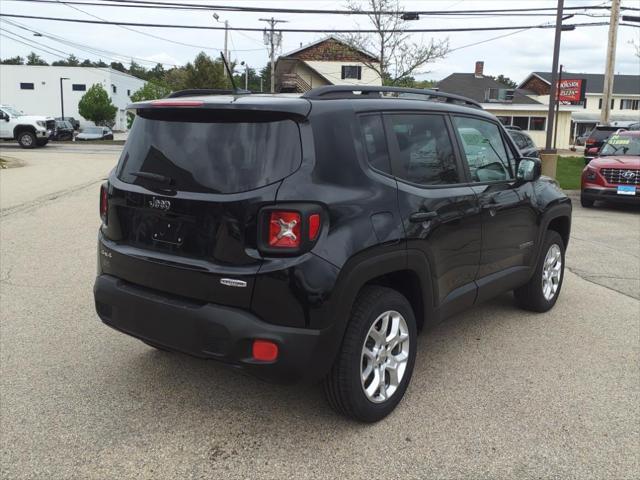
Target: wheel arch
[18,129]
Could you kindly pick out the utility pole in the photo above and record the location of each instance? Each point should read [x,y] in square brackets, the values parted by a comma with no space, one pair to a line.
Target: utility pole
[554,79]
[605,113]
[216,17]
[273,39]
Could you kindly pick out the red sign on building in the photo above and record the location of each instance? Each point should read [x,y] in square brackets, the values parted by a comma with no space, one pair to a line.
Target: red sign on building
[571,91]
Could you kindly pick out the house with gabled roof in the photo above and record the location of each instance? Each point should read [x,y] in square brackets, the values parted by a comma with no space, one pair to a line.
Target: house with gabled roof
[328,61]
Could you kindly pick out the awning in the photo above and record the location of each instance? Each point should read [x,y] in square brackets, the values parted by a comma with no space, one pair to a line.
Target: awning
[594,117]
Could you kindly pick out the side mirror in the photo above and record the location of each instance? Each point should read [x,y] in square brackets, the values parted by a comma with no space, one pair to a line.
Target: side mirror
[593,150]
[529,169]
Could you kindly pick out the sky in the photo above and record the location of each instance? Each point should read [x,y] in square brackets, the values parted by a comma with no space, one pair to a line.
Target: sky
[583,50]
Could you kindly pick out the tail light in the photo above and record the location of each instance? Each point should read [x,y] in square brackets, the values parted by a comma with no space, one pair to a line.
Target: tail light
[104,201]
[290,229]
[590,141]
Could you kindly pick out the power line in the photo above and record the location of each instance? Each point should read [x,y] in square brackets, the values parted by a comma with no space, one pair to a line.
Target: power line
[252,9]
[300,30]
[525,12]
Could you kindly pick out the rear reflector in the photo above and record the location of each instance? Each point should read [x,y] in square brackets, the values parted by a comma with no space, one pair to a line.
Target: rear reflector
[284,229]
[177,103]
[264,350]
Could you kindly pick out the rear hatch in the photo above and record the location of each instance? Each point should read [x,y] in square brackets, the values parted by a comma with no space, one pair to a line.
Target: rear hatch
[184,198]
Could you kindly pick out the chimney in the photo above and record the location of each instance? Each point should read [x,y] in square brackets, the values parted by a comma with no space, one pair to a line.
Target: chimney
[479,69]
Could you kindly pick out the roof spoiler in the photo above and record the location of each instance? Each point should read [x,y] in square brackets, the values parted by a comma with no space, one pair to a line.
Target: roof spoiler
[199,92]
[367,91]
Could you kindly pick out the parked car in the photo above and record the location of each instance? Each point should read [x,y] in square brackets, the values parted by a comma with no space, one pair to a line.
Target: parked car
[95,133]
[75,123]
[63,131]
[312,237]
[581,140]
[524,143]
[597,137]
[614,176]
[29,131]
[634,127]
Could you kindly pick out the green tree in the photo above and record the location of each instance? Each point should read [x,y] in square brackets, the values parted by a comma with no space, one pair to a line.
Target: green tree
[253,77]
[138,71]
[118,66]
[34,59]
[71,61]
[150,91]
[157,73]
[176,78]
[505,81]
[95,105]
[265,73]
[205,72]
[17,60]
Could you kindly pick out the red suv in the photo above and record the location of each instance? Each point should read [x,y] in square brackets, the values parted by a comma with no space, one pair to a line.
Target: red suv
[615,174]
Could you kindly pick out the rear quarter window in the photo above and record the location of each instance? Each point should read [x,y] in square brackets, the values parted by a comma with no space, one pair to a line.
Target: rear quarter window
[211,156]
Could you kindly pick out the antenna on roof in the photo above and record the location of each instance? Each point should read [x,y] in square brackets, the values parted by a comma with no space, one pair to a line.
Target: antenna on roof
[236,90]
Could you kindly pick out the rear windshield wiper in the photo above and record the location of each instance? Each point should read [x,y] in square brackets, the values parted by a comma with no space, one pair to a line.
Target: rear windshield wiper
[156,177]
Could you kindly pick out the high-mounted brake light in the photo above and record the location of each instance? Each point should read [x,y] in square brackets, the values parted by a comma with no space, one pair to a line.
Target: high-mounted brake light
[177,103]
[284,229]
[104,202]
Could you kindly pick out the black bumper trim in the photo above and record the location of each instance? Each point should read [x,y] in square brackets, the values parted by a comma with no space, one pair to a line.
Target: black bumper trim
[211,331]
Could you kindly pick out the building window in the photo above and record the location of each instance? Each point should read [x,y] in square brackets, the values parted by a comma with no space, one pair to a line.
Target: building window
[629,104]
[78,87]
[351,71]
[600,104]
[505,120]
[537,123]
[128,93]
[26,86]
[522,122]
[114,89]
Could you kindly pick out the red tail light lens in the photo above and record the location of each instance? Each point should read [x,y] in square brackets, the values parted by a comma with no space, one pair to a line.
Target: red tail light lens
[314,226]
[104,202]
[284,229]
[264,350]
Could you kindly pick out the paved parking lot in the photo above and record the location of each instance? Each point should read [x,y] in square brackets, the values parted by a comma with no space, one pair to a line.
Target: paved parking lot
[496,392]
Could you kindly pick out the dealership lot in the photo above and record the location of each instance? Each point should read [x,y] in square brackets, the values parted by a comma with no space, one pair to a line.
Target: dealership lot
[496,392]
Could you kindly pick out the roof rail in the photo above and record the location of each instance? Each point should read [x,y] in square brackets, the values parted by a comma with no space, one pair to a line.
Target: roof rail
[330,92]
[196,92]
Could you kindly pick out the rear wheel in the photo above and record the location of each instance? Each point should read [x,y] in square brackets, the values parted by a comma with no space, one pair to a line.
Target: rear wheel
[586,202]
[374,367]
[27,139]
[542,291]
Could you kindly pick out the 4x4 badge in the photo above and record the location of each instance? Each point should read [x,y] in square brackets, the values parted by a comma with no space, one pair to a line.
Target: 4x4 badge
[231,282]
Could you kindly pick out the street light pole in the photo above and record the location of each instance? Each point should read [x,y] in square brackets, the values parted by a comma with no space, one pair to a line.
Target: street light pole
[62,96]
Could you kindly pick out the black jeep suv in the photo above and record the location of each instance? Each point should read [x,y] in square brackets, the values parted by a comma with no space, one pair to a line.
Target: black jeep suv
[312,237]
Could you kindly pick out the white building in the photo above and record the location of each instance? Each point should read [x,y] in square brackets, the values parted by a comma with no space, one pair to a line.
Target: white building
[36,89]
[328,61]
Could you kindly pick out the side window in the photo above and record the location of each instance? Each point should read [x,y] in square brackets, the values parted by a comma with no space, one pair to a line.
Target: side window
[425,149]
[375,143]
[484,150]
[519,139]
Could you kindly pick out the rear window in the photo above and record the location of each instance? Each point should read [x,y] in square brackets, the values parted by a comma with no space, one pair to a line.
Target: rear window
[208,156]
[602,133]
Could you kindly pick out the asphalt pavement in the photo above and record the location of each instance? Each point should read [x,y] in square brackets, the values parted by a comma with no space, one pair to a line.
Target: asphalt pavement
[496,392]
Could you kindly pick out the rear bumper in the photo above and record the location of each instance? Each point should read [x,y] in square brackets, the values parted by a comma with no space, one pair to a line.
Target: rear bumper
[608,194]
[211,331]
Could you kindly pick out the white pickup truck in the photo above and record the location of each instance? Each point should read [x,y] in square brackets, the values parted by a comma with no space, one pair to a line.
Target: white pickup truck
[29,130]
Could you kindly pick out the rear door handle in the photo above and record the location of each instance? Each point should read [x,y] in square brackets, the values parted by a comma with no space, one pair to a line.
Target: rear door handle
[419,217]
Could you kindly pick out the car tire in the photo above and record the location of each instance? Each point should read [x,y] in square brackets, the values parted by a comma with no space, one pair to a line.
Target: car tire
[27,139]
[385,355]
[586,202]
[541,292]
[42,142]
